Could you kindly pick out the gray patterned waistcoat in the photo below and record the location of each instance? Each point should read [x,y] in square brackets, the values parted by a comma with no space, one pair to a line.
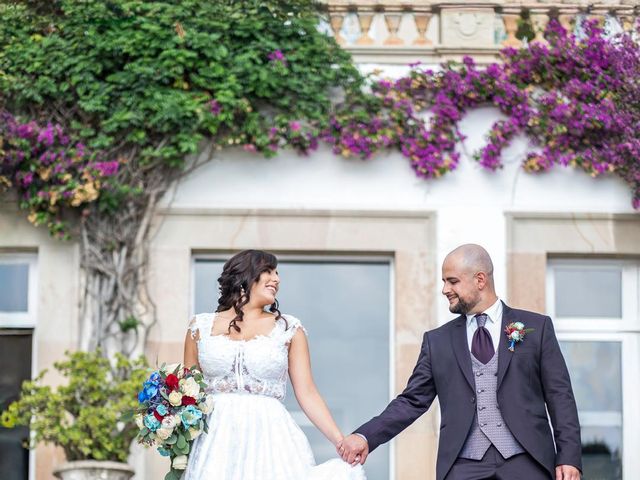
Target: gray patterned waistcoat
[488,426]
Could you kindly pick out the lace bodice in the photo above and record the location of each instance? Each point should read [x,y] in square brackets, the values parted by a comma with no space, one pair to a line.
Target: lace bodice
[257,366]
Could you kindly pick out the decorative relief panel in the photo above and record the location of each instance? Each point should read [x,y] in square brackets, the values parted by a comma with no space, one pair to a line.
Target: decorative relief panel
[467,28]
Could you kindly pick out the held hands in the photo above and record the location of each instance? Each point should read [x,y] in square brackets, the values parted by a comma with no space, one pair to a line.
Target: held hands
[353,449]
[567,472]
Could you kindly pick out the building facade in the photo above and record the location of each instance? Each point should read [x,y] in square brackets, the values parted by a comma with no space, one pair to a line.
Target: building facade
[361,244]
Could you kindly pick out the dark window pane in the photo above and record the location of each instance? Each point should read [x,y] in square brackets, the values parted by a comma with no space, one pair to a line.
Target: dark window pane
[15,358]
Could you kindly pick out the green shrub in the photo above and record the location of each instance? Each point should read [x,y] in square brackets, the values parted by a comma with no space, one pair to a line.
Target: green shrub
[83,416]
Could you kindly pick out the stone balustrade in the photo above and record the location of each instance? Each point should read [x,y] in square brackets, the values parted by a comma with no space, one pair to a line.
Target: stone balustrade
[401,32]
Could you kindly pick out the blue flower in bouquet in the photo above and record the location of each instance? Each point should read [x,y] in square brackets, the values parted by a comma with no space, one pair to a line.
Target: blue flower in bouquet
[190,416]
[164,452]
[162,410]
[149,391]
[152,423]
[155,377]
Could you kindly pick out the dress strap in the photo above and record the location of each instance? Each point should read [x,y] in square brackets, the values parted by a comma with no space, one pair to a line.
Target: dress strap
[200,325]
[291,327]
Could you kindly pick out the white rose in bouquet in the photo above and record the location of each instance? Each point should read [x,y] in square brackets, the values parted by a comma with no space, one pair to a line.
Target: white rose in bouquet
[164,433]
[190,387]
[169,422]
[207,405]
[194,433]
[140,421]
[180,462]
[175,398]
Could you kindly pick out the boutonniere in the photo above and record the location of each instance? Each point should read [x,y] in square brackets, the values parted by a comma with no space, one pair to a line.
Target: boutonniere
[515,333]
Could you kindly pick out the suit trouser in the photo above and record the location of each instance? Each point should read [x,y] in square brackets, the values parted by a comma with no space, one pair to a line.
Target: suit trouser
[494,467]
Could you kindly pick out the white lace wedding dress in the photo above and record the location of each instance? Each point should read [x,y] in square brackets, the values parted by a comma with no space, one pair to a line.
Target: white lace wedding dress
[251,434]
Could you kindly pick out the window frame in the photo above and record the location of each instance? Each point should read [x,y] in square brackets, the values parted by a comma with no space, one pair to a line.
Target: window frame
[625,330]
[630,318]
[25,319]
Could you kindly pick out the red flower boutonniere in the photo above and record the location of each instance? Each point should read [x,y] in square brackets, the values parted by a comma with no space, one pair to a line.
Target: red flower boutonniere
[515,333]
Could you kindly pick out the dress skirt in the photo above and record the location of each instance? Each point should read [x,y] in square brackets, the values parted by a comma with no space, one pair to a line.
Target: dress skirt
[253,437]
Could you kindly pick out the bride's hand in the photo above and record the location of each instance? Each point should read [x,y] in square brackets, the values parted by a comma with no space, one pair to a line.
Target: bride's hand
[354,449]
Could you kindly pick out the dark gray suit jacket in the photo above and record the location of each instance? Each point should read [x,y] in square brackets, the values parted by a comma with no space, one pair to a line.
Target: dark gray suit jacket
[532,376]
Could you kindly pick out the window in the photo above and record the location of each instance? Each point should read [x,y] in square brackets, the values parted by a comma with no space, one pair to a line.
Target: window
[345,305]
[594,304]
[17,319]
[15,353]
[17,290]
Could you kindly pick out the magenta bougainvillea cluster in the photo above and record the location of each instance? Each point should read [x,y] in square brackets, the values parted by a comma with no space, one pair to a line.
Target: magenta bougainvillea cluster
[49,170]
[577,100]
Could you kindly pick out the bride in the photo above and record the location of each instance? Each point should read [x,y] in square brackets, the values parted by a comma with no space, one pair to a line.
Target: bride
[245,353]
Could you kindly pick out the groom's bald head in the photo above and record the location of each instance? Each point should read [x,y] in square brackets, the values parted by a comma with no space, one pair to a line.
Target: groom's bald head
[467,275]
[472,259]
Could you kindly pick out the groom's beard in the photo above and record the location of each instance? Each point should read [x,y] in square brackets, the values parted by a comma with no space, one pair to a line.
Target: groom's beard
[462,307]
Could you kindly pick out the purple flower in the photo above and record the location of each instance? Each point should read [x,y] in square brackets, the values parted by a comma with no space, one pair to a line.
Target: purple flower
[26,179]
[107,169]
[295,126]
[26,130]
[46,135]
[277,57]
[215,108]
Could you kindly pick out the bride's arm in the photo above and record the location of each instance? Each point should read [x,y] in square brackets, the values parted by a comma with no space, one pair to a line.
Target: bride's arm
[190,350]
[306,391]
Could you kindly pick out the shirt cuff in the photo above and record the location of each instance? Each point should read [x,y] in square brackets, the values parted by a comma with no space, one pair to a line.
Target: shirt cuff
[363,437]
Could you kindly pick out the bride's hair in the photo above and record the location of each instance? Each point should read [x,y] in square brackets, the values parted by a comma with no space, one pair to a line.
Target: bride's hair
[239,274]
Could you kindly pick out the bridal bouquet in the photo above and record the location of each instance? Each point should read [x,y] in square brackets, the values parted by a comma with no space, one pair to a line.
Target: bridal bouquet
[172,413]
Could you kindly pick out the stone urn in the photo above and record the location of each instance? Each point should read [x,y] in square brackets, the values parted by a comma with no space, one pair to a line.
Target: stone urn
[94,470]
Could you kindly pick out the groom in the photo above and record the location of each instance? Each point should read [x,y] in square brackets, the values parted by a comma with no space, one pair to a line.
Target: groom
[492,400]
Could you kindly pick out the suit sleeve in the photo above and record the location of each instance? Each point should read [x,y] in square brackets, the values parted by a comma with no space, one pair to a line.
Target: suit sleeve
[560,401]
[406,407]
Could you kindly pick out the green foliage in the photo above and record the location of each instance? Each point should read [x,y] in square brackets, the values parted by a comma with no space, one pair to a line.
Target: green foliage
[143,83]
[142,74]
[85,416]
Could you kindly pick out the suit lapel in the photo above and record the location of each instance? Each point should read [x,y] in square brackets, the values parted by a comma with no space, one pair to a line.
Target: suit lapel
[461,348]
[505,355]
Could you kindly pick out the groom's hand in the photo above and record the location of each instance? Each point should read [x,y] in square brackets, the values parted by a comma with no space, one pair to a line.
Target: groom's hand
[353,449]
[567,472]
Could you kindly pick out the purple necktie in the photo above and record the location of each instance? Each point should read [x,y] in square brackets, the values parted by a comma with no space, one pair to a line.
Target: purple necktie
[481,344]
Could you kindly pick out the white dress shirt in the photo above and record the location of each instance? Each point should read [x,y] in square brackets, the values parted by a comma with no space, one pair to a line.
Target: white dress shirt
[494,324]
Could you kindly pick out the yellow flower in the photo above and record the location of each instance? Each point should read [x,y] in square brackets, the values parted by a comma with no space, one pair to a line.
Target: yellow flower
[84,194]
[76,200]
[7,420]
[44,173]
